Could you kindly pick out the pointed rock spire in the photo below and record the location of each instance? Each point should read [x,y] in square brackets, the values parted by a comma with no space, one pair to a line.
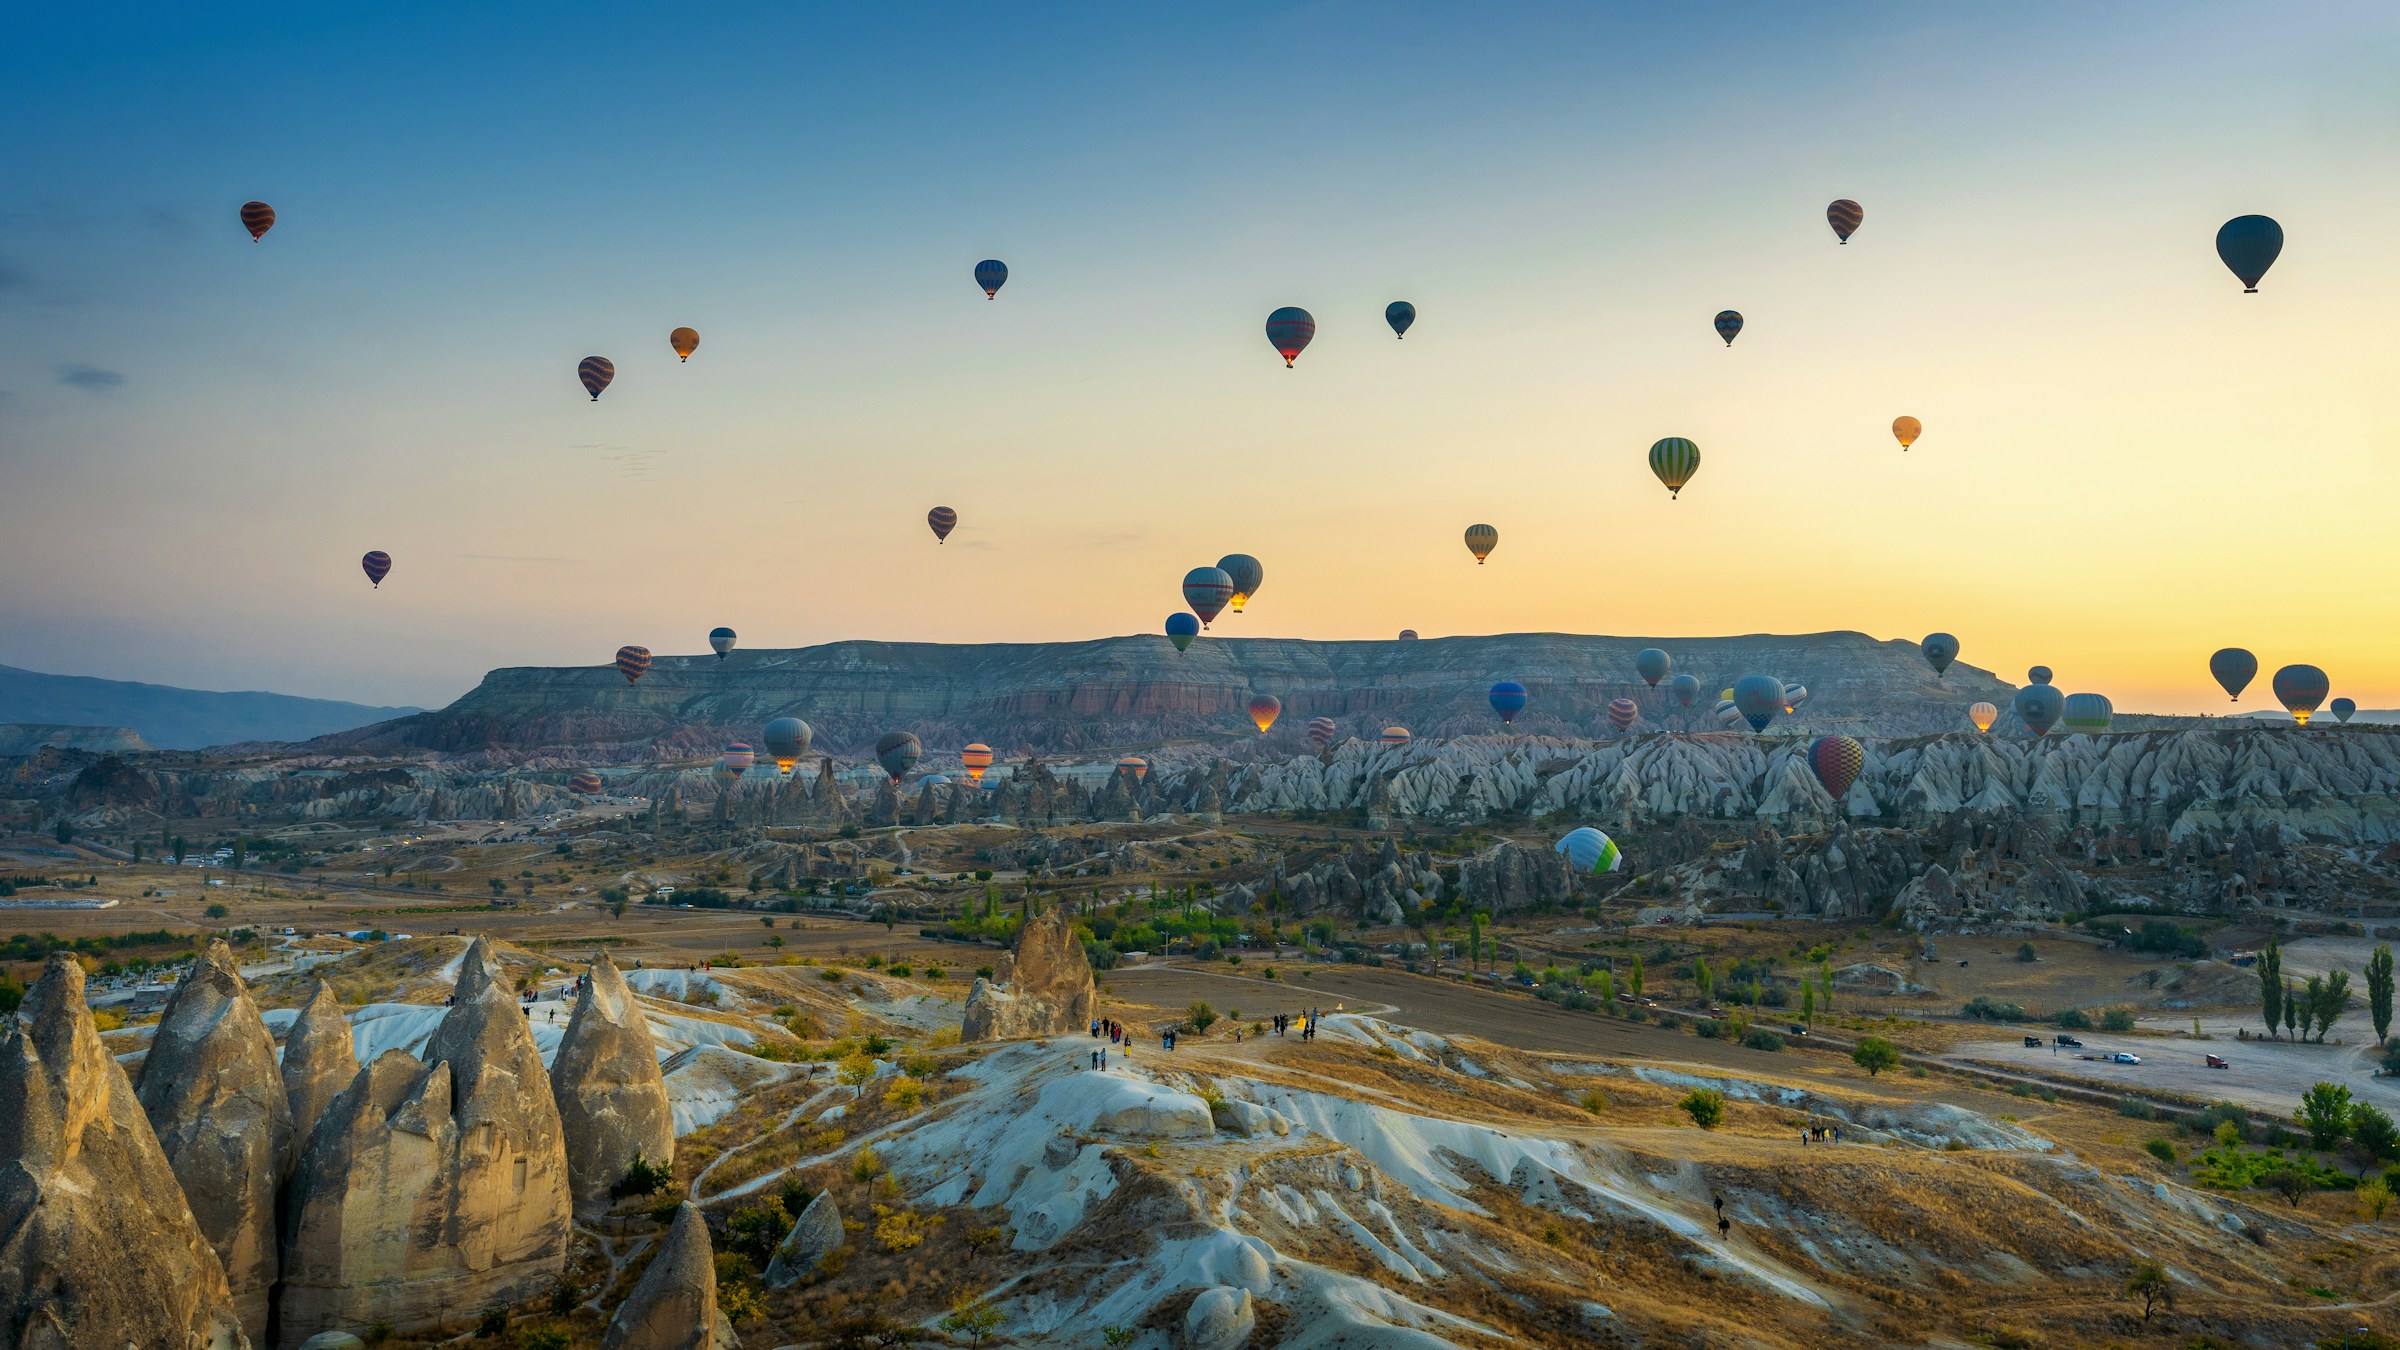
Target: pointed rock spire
[97,1246]
[319,1060]
[612,1099]
[674,1306]
[815,1235]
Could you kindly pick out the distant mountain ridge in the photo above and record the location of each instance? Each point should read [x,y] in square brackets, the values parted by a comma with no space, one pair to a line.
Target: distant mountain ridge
[24,738]
[176,719]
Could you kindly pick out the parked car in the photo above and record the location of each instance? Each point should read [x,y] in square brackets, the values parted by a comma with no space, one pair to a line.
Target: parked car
[2125,1057]
[2218,1062]
[1799,1030]
[2066,1042]
[2033,1042]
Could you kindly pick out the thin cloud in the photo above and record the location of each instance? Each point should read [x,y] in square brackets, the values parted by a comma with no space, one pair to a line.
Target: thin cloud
[516,558]
[91,378]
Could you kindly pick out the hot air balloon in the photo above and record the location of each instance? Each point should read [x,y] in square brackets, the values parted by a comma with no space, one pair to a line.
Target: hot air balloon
[1508,699]
[1321,731]
[633,662]
[787,741]
[585,783]
[739,757]
[1399,314]
[991,274]
[2087,713]
[2249,245]
[1727,714]
[1845,217]
[2038,675]
[1685,690]
[2039,706]
[1623,713]
[1758,698]
[720,641]
[257,218]
[942,520]
[1982,715]
[595,372]
[1793,696]
[1207,590]
[1652,665]
[377,565]
[2233,668]
[1181,629]
[1674,460]
[976,758]
[1134,766]
[1290,328]
[1247,576]
[1408,635]
[898,752]
[1837,760]
[1940,650]
[1729,325]
[2300,689]
[1590,851]
[1481,540]
[685,341]
[2341,708]
[1395,735]
[1264,709]
[1906,430]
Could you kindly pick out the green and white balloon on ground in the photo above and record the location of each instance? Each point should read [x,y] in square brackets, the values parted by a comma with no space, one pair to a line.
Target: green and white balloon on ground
[1590,851]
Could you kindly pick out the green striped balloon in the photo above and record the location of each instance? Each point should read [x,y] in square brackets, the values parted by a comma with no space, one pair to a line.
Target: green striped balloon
[1674,460]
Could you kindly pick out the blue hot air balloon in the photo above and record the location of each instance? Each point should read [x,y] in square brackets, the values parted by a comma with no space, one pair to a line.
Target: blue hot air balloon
[1290,329]
[991,274]
[2039,706]
[1758,698]
[1685,690]
[1940,650]
[2342,708]
[1508,699]
[1652,665]
[2249,245]
[1399,314]
[1181,629]
[1590,851]
[720,641]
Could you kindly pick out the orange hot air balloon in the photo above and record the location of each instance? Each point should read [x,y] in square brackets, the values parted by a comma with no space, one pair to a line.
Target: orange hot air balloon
[1982,715]
[1264,710]
[1906,430]
[633,662]
[975,759]
[685,341]
[1135,765]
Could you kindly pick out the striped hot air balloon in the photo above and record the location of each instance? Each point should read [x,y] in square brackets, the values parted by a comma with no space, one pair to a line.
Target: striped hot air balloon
[633,662]
[1207,590]
[1395,736]
[1321,731]
[257,218]
[1134,766]
[787,741]
[942,520]
[975,759]
[2086,713]
[1982,715]
[1758,698]
[1837,760]
[1674,459]
[685,341]
[1652,665]
[738,757]
[585,783]
[2233,669]
[1906,430]
[1247,574]
[1793,696]
[2300,689]
[1264,709]
[1845,216]
[2341,708]
[1729,325]
[595,372]
[1481,540]
[1508,698]
[377,565]
[1622,713]
[1290,329]
[991,274]
[898,752]
[1727,714]
[1589,851]
[1399,314]
[720,641]
[1181,629]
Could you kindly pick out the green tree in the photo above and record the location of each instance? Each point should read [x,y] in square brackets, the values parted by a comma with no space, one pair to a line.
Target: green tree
[2373,1137]
[1808,1003]
[2291,1010]
[2324,1111]
[2270,984]
[179,847]
[975,1321]
[1875,1054]
[2150,1283]
[1701,980]
[2374,1197]
[1474,941]
[2379,992]
[241,850]
[2328,999]
[1201,1016]
[64,831]
[1825,984]
[1633,980]
[1706,1107]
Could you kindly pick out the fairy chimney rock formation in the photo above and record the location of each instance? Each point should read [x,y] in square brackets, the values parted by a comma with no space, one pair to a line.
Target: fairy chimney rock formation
[1043,988]
[432,1188]
[215,1100]
[319,1060]
[815,1235]
[674,1305]
[97,1247]
[612,1099]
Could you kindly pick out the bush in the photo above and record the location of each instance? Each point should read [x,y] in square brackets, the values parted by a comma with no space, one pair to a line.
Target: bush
[1984,1007]
[1706,1107]
[493,1322]
[216,911]
[1594,1101]
[1708,1027]
[1201,1016]
[2134,1108]
[2027,954]
[2072,1019]
[2117,1020]
[1762,1039]
[2161,1149]
[644,1177]
[1875,1054]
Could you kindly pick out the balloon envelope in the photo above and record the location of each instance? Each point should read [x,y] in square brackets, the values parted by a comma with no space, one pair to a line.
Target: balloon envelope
[1264,709]
[1508,699]
[1940,650]
[1982,715]
[2039,707]
[1395,735]
[1729,325]
[898,752]
[1906,430]
[1652,665]
[2233,669]
[633,662]
[1758,698]
[584,784]
[1590,851]
[976,758]
[2038,675]
[720,641]
[1623,713]
[1685,690]
[1181,629]
[942,520]
[1727,714]
[1247,575]
[685,341]
[1837,760]
[377,565]
[1290,329]
[2087,713]
[2300,689]
[1481,540]
[1133,764]
[595,372]
[2249,245]
[991,274]
[1793,696]
[1207,590]
[739,756]
[2341,708]
[787,740]
[1399,314]
[1845,216]
[1674,459]
[257,218]
[1408,635]
[1321,731]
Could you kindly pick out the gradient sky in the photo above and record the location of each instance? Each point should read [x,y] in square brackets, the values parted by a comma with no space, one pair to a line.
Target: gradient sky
[2126,462]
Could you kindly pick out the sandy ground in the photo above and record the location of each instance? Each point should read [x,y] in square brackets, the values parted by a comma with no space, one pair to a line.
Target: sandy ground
[2269,1075]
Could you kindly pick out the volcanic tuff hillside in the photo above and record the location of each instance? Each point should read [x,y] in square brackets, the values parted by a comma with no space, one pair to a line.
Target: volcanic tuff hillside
[1139,690]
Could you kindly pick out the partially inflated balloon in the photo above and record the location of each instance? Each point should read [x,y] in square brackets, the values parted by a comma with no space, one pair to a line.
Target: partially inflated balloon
[720,641]
[1729,325]
[1207,590]
[1395,735]
[1481,540]
[257,218]
[1758,698]
[1181,629]
[1940,650]
[2086,713]
[1290,329]
[1623,713]
[1906,430]
[898,752]
[633,662]
[1590,851]
[1652,665]
[1133,766]
[1264,709]
[2038,675]
[1982,715]
[787,740]
[1321,731]
[942,520]
[1674,460]
[1837,760]
[1247,575]
[2300,689]
[377,565]
[585,783]
[2234,669]
[975,759]
[1508,699]
[1399,314]
[991,274]
[2039,706]
[1408,635]
[1685,690]
[1845,216]
[2341,708]
[2249,246]
[685,341]
[595,372]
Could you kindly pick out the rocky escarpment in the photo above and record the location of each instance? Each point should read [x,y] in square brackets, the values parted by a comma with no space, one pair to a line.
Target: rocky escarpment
[212,1093]
[1043,988]
[612,1099]
[97,1247]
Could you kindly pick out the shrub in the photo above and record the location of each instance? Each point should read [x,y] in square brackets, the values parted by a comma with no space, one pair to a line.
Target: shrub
[905,1093]
[2134,1108]
[493,1322]
[644,1177]
[2374,1197]
[740,1302]
[1984,1007]
[1706,1107]
[2027,954]
[1875,1054]
[2162,1150]
[1708,1027]
[2072,1019]
[1594,1101]
[1201,1016]
[216,910]
[866,1166]
[2117,1019]
[1762,1039]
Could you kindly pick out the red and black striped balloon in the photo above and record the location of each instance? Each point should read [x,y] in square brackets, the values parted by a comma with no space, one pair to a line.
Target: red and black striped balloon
[257,218]
[943,520]
[1845,216]
[377,566]
[584,784]
[633,662]
[1622,713]
[595,372]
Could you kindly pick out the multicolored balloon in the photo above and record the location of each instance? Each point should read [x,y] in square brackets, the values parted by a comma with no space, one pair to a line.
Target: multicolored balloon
[1481,540]
[1395,736]
[2087,713]
[1845,216]
[1589,851]
[377,565]
[1181,629]
[1264,709]
[1729,325]
[1793,696]
[685,341]
[2233,669]
[1674,460]
[1758,698]
[1940,650]
[257,218]
[585,783]
[975,759]
[1652,665]
[1623,713]
[1727,714]
[595,372]
[1247,576]
[1982,715]
[2300,689]
[991,274]
[633,662]
[1837,760]
[1322,731]
[1508,699]
[787,741]
[942,520]
[1906,430]
[2039,707]
[1290,329]
[1685,690]
[2341,708]
[1399,314]
[720,641]
[898,752]
[1207,590]
[2248,246]
[1134,766]
[739,757]
[1407,635]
